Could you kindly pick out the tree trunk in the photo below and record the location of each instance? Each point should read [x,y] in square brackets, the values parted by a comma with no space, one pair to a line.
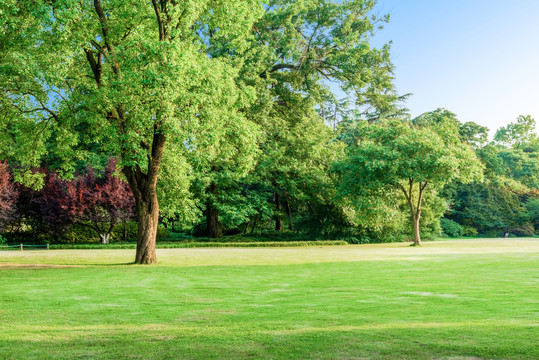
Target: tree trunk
[143,185]
[147,221]
[289,213]
[278,222]
[125,229]
[246,227]
[417,235]
[105,238]
[253,228]
[214,228]
[415,210]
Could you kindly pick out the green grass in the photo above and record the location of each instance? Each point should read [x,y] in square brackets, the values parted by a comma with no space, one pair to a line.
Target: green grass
[475,299]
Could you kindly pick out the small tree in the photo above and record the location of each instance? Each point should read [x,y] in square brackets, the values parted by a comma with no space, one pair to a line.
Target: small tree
[98,202]
[407,158]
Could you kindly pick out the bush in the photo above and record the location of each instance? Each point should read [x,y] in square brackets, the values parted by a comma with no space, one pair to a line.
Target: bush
[203,244]
[522,230]
[451,228]
[78,234]
[469,231]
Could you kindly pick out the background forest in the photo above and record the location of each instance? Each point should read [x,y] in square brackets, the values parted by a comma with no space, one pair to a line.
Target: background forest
[284,126]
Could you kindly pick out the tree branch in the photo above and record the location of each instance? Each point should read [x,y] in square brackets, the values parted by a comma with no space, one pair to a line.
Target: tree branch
[160,23]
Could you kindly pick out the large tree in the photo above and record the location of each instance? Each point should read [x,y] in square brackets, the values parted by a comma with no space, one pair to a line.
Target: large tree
[408,158]
[139,74]
[297,49]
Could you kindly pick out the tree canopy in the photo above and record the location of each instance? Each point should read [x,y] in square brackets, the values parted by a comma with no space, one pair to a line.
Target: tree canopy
[407,157]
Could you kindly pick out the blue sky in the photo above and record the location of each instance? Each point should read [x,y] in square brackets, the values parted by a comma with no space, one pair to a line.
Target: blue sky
[476,58]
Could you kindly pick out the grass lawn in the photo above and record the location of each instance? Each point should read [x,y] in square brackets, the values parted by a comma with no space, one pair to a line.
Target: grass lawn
[473,299]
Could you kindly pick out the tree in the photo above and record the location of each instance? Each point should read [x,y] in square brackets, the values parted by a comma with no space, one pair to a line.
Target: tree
[99,203]
[474,134]
[297,48]
[499,204]
[405,157]
[517,133]
[8,197]
[220,171]
[140,74]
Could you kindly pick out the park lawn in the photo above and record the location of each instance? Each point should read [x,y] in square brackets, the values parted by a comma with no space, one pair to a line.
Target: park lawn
[473,299]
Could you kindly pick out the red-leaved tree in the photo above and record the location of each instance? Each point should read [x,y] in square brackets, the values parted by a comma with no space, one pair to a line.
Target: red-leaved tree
[8,197]
[99,203]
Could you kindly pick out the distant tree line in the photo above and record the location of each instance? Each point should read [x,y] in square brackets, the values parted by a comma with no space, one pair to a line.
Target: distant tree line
[387,180]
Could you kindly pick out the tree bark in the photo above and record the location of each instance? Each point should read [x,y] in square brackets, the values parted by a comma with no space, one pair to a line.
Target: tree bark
[417,234]
[289,213]
[278,222]
[214,228]
[415,209]
[143,185]
[105,238]
[147,220]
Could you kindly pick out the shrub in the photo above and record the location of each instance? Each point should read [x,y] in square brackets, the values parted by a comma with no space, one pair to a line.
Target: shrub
[522,230]
[469,231]
[451,228]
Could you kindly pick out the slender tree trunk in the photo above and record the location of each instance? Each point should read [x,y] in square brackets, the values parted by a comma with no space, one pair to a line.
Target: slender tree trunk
[289,213]
[255,223]
[214,228]
[125,229]
[246,227]
[278,222]
[417,234]
[415,209]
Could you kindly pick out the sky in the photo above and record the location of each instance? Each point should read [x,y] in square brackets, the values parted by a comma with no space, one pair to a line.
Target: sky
[477,58]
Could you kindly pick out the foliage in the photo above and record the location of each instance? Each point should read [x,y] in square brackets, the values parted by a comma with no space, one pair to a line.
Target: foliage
[473,134]
[500,203]
[97,202]
[533,211]
[297,45]
[8,197]
[451,228]
[517,133]
[219,244]
[397,156]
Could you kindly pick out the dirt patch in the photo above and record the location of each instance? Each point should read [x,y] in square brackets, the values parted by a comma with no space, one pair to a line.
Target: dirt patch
[34,266]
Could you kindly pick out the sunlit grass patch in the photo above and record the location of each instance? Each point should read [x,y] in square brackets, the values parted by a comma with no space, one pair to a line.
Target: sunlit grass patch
[447,300]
